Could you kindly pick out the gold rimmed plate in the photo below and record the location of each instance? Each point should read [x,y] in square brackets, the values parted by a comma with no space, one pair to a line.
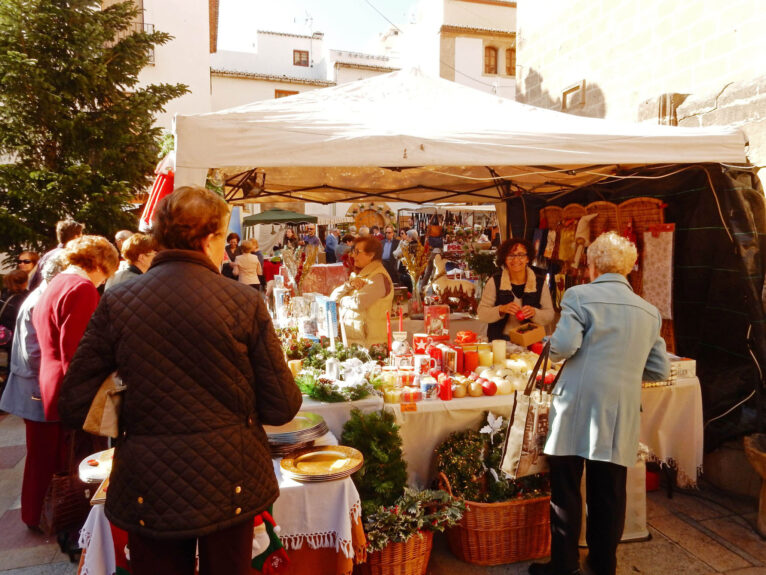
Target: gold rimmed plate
[322,463]
[304,423]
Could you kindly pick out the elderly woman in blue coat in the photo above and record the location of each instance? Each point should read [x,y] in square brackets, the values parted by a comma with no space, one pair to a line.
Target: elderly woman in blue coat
[611,339]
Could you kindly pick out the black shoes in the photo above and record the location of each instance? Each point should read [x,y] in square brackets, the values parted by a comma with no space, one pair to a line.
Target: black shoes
[547,569]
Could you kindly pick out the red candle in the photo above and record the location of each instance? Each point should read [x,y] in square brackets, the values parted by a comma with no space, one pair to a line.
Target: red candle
[388,328]
[401,319]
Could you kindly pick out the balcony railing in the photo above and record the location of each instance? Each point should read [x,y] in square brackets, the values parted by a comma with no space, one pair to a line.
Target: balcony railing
[134,28]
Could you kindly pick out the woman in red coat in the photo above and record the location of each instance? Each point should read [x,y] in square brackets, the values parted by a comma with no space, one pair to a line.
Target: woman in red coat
[60,318]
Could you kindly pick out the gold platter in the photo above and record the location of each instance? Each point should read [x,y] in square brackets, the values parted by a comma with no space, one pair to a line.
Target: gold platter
[323,463]
[303,427]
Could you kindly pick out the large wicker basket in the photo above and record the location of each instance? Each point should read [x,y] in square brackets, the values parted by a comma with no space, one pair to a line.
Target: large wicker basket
[408,558]
[504,532]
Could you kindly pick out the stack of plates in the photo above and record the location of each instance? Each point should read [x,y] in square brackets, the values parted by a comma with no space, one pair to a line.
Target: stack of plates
[300,433]
[324,463]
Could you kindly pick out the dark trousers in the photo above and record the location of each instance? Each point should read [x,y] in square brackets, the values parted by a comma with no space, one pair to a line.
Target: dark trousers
[226,552]
[605,496]
[47,453]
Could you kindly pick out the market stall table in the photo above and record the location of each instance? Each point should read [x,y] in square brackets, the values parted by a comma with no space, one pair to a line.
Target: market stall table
[671,426]
[336,414]
[320,528]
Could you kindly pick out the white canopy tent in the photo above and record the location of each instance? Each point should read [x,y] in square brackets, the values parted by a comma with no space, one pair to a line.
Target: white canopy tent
[409,137]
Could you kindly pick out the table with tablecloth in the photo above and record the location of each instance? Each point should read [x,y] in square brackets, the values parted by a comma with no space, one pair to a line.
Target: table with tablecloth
[671,426]
[457,322]
[336,414]
[320,528]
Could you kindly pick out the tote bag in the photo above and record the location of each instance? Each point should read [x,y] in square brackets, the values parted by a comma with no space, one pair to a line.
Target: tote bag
[528,428]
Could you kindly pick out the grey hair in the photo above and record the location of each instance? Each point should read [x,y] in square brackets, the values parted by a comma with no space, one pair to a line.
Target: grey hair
[612,253]
[54,266]
[412,235]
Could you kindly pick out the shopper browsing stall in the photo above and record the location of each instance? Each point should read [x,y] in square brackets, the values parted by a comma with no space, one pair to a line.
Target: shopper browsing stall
[204,371]
[515,293]
[611,338]
[366,297]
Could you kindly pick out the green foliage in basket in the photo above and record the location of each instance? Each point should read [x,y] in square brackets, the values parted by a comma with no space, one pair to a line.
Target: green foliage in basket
[378,352]
[318,354]
[382,478]
[413,512]
[312,383]
[471,461]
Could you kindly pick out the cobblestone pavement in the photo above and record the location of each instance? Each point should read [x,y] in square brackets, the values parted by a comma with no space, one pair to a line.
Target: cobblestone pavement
[697,532]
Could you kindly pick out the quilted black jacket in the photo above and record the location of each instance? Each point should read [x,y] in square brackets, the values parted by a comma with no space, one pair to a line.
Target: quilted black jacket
[204,369]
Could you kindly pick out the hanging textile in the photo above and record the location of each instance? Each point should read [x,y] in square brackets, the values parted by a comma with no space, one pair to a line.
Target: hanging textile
[657,286]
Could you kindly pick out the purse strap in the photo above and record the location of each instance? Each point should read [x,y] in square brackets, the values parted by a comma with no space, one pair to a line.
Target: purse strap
[541,360]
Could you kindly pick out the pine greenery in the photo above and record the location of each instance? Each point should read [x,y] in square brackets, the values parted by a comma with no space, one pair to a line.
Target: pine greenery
[76,133]
[383,476]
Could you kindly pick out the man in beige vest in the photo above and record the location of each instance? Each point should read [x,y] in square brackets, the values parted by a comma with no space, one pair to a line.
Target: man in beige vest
[367,295]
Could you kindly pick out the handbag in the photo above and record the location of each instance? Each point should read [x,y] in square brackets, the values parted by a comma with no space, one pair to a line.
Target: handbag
[67,501]
[525,439]
[104,414]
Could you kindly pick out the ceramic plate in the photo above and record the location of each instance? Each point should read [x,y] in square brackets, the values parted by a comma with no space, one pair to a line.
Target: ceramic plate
[322,463]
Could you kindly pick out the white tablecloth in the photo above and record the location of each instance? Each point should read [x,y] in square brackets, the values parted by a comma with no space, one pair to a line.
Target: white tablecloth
[336,414]
[423,430]
[671,426]
[455,325]
[317,514]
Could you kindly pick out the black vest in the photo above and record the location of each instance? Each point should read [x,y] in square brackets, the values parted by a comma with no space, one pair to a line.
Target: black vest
[496,329]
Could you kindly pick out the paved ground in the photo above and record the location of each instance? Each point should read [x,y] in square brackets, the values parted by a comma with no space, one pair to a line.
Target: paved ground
[694,533]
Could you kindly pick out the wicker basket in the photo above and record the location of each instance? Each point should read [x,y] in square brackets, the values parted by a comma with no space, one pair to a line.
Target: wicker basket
[504,532]
[408,558]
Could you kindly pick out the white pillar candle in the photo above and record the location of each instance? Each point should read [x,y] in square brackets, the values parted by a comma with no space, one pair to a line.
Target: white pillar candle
[498,351]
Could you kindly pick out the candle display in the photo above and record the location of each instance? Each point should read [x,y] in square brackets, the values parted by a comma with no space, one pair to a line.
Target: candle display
[401,319]
[498,351]
[485,356]
[388,328]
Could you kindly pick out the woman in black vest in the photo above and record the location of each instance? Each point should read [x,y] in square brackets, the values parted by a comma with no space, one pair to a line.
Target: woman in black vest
[515,289]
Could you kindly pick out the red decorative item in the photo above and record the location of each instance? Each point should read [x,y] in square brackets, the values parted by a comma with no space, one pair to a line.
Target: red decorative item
[445,389]
[163,185]
[536,347]
[489,387]
[520,316]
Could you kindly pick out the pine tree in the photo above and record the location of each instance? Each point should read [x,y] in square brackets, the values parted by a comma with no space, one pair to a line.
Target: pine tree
[383,476]
[76,133]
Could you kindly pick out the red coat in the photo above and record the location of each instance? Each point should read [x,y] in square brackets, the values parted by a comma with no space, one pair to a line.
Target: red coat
[60,318]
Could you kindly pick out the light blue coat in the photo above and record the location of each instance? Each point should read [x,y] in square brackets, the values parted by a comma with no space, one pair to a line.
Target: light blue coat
[611,338]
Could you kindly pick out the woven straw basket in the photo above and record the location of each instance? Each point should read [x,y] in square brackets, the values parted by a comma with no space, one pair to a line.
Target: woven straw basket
[504,532]
[408,558]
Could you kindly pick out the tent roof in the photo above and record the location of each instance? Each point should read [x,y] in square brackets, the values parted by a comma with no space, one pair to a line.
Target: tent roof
[278,216]
[406,136]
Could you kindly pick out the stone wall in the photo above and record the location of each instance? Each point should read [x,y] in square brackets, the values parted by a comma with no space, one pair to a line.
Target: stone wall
[629,52]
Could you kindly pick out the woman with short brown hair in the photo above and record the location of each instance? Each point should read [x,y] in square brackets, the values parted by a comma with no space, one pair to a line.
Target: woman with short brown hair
[204,371]
[366,297]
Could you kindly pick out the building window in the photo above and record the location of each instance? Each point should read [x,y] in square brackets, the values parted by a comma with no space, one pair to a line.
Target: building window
[283,93]
[300,58]
[510,61]
[490,60]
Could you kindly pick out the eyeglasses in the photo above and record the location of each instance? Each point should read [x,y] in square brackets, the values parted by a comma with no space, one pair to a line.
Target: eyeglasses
[515,256]
[356,252]
[24,261]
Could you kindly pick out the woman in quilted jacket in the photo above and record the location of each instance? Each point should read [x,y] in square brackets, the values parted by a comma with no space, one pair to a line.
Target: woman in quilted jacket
[192,464]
